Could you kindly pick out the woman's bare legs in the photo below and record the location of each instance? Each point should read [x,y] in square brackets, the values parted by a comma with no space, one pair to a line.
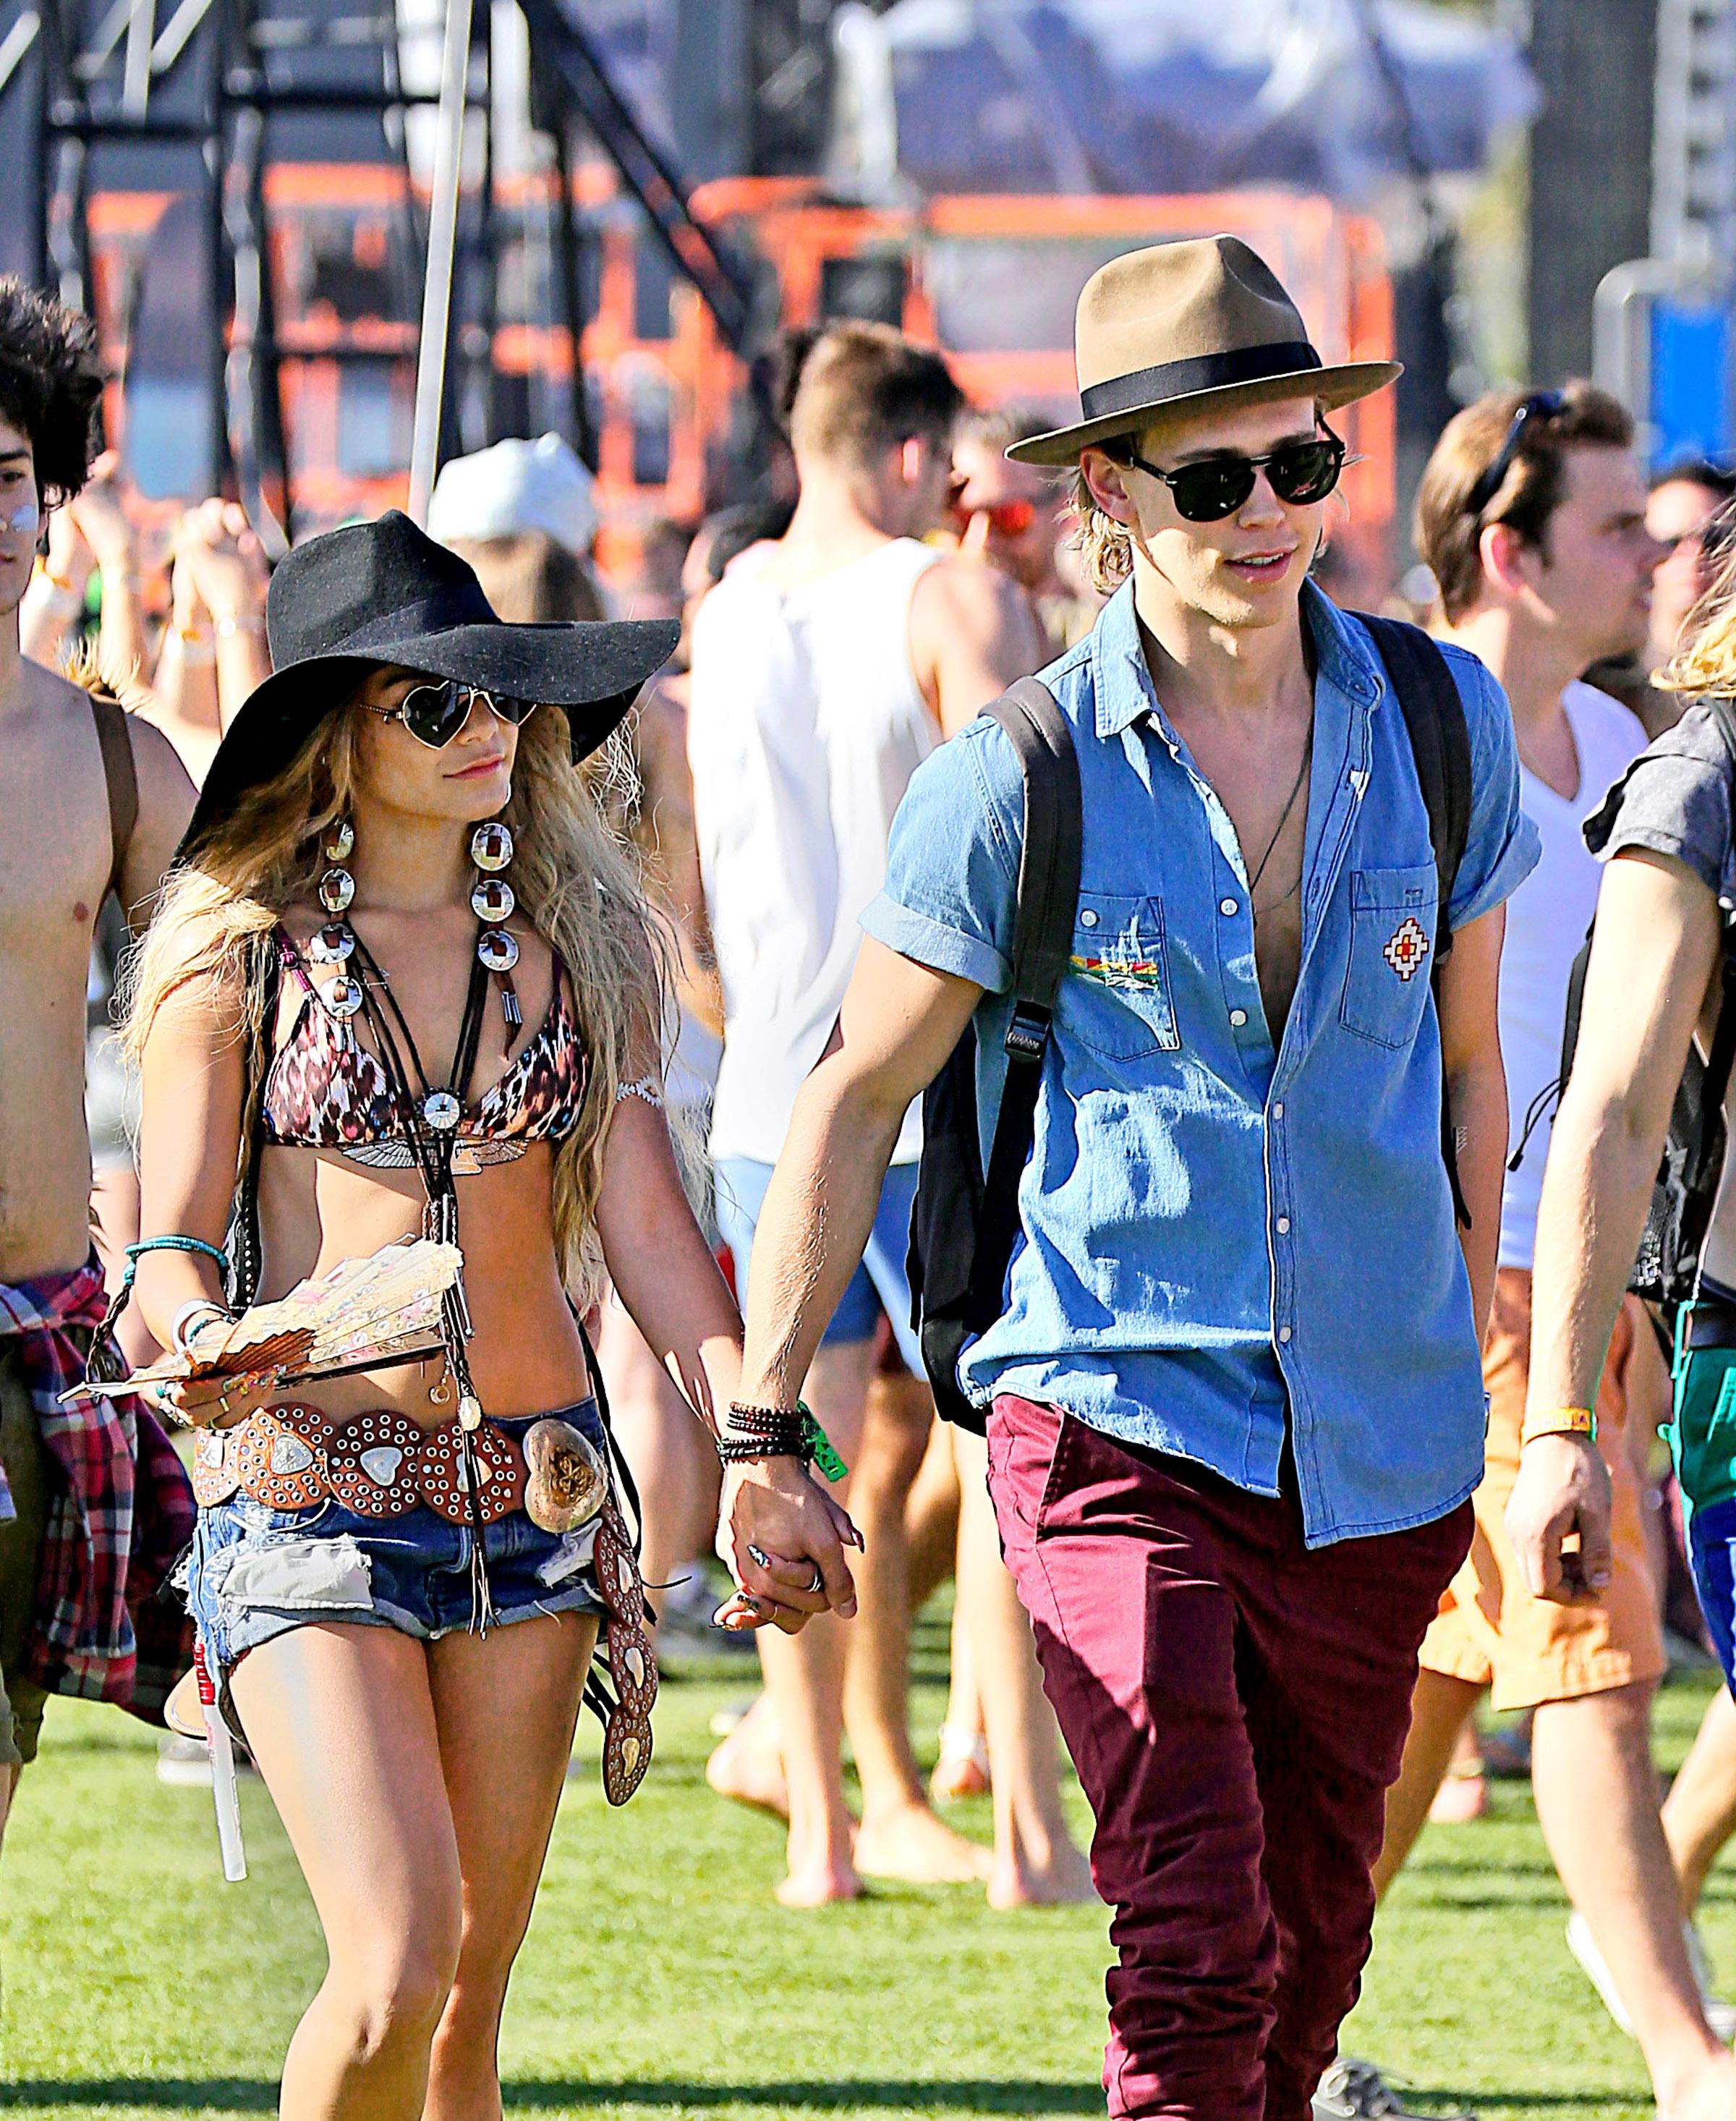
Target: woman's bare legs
[504,1708]
[1035,1859]
[804,1673]
[1700,1812]
[899,1836]
[421,1836]
[931,1518]
[340,1721]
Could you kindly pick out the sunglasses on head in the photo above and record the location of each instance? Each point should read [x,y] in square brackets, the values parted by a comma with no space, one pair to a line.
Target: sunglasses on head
[433,713]
[1540,405]
[1212,487]
[1007,519]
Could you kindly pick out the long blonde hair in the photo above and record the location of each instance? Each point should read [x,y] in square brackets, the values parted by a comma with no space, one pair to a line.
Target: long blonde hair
[1705,662]
[573,877]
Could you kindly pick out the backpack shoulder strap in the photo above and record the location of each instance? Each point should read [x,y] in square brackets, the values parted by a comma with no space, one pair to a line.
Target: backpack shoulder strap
[1440,742]
[1042,944]
[120,775]
[1049,861]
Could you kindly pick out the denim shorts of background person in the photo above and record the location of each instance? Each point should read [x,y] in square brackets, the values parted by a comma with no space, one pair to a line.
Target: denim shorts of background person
[1214,1233]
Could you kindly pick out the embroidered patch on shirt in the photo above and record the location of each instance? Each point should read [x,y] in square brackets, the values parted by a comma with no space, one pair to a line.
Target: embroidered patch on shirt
[1122,964]
[1406,947]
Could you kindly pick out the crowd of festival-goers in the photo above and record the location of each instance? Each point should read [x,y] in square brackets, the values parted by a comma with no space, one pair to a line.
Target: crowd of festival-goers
[778,743]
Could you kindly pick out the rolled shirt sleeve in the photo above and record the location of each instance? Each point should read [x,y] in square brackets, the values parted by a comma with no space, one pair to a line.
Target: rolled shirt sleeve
[952,863]
[1501,846]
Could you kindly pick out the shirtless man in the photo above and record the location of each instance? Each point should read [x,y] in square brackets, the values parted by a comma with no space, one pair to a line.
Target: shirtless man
[57,859]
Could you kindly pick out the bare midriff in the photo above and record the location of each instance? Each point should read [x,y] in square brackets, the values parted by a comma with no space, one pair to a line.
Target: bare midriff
[317,1208]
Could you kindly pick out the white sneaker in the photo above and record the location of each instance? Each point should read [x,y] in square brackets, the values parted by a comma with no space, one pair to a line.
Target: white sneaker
[1356,2091]
[1720,2016]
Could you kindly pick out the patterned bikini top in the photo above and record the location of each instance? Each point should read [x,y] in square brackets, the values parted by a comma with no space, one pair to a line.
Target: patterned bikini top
[324,1089]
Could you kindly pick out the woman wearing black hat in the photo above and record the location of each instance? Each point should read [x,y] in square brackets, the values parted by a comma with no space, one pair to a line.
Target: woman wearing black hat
[402,983]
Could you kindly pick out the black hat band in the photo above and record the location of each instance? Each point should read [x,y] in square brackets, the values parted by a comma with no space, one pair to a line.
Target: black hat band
[1184,379]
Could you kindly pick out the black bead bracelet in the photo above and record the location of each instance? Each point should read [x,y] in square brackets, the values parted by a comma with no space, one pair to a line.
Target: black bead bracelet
[754,1433]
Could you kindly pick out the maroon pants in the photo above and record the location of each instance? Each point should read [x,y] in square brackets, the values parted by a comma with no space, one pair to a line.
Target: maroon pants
[1236,1707]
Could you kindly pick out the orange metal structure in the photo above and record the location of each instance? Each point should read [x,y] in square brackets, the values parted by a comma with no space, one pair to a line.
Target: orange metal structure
[992,279]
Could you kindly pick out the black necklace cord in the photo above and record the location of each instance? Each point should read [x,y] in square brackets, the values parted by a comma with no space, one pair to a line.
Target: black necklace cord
[432,1148]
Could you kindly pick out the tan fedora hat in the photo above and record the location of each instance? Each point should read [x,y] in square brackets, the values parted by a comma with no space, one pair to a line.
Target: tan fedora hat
[1180,326]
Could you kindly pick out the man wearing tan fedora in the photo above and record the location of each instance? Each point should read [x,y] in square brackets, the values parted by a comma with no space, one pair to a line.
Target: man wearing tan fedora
[1234,1402]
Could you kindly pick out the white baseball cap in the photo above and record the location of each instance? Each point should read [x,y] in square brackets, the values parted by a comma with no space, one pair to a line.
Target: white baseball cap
[516,486]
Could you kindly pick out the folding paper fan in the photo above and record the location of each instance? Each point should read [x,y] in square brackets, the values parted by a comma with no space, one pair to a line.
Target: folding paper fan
[366,1314]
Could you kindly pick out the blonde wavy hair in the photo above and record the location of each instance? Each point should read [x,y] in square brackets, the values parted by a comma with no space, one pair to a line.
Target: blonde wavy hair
[1706,661]
[574,877]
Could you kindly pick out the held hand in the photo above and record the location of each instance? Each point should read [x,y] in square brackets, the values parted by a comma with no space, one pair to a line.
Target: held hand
[1562,1490]
[69,557]
[784,1538]
[97,510]
[217,1402]
[225,560]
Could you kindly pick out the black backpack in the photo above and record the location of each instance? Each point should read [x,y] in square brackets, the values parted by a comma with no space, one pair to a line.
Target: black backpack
[965,1222]
[1667,1266]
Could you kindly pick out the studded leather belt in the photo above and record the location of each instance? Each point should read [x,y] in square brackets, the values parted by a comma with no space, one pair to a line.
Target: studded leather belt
[380,1464]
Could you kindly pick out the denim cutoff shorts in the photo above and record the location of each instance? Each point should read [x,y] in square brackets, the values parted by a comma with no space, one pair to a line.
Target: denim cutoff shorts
[255,1572]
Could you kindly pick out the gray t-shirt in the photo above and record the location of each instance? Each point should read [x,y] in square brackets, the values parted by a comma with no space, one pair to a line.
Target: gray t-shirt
[1676,798]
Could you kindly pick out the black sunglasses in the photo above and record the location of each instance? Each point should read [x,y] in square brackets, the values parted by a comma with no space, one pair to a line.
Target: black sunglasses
[434,713]
[1540,405]
[1207,490]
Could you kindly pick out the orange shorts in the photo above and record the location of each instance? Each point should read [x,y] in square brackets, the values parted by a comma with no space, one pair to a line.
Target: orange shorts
[1490,1630]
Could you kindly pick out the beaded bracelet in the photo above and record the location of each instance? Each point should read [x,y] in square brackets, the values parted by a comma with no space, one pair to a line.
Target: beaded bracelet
[754,1433]
[171,1243]
[202,1306]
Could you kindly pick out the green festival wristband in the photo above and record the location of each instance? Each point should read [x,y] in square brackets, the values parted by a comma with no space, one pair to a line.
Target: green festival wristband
[820,1446]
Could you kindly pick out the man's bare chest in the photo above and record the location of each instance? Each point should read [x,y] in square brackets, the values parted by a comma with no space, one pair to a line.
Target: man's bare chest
[56,849]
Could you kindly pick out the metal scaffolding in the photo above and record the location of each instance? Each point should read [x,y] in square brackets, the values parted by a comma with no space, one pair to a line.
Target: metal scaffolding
[203,97]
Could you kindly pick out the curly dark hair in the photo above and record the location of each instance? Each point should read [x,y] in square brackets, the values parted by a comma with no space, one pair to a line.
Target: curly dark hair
[50,385]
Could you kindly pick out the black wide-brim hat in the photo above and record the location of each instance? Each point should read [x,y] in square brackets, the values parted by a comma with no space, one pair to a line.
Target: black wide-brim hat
[385,592]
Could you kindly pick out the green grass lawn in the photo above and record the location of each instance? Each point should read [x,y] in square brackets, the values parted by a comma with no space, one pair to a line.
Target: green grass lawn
[661,1979]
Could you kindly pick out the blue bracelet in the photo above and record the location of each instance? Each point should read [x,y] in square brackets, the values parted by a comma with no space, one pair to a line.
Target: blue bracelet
[171,1243]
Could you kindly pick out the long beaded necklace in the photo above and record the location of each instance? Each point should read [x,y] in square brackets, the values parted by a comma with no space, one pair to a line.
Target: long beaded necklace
[428,1113]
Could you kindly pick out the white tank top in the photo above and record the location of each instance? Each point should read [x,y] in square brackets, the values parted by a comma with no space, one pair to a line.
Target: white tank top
[804,726]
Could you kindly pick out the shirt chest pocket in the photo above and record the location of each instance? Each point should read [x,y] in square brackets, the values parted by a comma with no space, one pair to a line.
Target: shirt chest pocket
[1392,952]
[1118,1000]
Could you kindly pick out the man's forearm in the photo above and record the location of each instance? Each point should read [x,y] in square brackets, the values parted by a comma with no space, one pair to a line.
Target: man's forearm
[818,1213]
[1596,1191]
[1477,1098]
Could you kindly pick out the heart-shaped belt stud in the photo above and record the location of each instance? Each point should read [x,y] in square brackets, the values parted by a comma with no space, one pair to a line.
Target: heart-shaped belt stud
[371,1463]
[283,1466]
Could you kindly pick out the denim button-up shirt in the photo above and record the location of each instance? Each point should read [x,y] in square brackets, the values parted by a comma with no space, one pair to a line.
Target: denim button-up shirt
[1216,1234]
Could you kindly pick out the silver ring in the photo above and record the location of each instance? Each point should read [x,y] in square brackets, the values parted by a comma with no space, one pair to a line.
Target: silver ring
[819,1582]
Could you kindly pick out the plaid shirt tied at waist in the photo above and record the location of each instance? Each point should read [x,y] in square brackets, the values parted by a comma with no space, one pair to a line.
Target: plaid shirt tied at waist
[121,1513]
